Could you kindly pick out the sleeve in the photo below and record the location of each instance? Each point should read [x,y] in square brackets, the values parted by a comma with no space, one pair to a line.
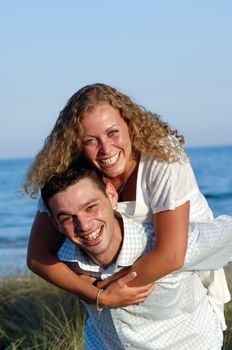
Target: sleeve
[209,244]
[41,207]
[170,185]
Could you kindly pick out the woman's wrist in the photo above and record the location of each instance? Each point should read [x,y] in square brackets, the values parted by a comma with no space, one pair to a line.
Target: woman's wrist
[101,299]
[98,304]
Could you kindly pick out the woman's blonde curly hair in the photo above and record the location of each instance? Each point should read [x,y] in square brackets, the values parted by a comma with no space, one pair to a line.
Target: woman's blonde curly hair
[149,135]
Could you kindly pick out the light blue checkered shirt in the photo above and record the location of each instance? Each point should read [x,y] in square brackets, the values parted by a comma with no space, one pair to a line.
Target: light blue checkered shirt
[177,315]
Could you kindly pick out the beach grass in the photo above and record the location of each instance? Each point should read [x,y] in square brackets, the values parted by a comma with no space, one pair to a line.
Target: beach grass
[34,315]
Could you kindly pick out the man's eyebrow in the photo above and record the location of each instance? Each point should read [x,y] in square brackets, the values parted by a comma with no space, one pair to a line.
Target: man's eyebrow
[83,206]
[61,213]
[86,204]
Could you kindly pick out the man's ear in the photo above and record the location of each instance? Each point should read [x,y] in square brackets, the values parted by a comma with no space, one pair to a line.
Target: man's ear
[112,194]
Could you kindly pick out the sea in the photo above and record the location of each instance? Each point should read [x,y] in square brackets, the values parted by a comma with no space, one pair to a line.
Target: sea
[212,167]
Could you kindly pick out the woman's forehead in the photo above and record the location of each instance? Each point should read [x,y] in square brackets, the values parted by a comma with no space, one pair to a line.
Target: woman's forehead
[101,115]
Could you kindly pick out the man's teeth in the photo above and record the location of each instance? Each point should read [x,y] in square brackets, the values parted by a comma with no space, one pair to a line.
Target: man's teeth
[93,235]
[110,160]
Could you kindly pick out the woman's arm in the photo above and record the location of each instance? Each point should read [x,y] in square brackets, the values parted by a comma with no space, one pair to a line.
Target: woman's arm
[171,244]
[43,245]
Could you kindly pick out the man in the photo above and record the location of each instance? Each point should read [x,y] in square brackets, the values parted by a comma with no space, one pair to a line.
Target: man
[177,315]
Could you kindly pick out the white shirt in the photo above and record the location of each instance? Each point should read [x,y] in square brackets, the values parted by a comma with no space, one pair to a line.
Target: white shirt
[177,315]
[164,186]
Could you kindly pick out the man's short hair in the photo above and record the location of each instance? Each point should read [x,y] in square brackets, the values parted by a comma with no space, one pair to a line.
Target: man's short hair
[73,174]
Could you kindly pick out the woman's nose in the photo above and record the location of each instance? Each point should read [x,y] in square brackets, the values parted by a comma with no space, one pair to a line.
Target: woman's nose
[104,147]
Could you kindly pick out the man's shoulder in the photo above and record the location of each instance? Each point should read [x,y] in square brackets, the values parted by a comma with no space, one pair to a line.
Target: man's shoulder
[133,225]
[138,234]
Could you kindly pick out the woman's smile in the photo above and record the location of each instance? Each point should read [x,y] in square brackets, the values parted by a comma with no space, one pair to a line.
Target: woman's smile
[109,160]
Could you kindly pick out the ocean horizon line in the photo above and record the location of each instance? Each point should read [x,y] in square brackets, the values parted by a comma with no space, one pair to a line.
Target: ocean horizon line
[187,147]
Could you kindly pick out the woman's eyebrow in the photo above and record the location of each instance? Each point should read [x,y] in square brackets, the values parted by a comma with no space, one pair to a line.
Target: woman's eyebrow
[112,126]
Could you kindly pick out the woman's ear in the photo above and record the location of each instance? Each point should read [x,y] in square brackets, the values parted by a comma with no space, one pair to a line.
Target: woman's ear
[112,194]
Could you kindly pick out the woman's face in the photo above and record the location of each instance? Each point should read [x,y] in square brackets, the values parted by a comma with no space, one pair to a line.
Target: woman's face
[106,141]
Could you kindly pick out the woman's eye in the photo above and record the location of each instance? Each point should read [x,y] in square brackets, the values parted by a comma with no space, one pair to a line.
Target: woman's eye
[113,132]
[89,141]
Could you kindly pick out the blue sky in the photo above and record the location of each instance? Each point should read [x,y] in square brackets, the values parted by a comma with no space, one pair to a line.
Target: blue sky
[172,56]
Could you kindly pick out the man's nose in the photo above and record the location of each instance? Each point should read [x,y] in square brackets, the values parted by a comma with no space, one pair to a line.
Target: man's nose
[82,223]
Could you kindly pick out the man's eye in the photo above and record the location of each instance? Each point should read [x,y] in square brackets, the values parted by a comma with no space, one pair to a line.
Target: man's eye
[65,220]
[90,207]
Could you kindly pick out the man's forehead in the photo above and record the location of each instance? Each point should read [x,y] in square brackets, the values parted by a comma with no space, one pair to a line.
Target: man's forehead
[87,183]
[82,192]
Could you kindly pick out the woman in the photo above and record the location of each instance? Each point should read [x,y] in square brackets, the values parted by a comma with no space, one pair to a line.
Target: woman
[144,159]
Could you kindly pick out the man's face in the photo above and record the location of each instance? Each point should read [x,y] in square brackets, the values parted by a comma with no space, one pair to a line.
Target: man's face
[85,215]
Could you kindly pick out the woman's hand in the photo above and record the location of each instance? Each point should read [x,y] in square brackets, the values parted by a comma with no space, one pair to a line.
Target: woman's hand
[118,294]
[102,284]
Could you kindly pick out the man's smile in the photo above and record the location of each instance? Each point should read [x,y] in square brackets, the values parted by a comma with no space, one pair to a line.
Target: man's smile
[92,236]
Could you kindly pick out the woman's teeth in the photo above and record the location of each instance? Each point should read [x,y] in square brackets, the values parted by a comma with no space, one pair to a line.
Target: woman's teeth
[110,160]
[93,235]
